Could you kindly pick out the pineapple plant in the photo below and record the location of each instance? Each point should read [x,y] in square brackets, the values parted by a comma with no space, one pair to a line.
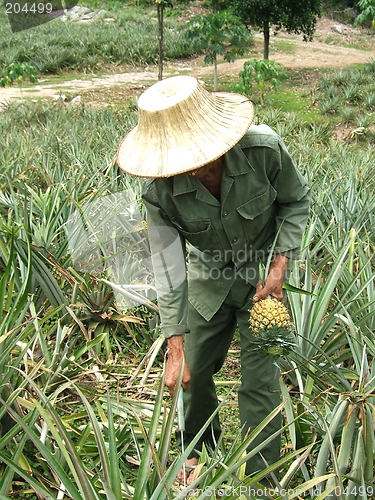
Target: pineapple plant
[271,326]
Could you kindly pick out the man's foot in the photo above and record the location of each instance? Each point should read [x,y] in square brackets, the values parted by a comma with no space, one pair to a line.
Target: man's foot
[185,475]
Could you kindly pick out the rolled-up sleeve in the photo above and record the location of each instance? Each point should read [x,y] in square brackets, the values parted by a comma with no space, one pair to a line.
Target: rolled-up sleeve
[168,251]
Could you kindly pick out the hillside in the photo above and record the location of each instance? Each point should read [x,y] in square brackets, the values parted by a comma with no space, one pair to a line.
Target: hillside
[334,46]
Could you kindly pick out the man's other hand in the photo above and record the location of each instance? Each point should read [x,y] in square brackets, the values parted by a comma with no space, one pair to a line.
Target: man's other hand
[175,358]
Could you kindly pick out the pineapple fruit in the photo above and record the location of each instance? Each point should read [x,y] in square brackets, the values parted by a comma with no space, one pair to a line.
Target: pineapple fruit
[271,326]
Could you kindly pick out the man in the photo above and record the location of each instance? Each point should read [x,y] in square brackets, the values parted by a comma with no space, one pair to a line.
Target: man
[222,193]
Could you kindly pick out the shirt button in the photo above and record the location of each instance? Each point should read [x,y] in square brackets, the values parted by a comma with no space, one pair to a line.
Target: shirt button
[234,240]
[225,214]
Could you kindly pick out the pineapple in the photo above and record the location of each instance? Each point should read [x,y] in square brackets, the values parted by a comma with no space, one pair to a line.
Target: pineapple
[272,327]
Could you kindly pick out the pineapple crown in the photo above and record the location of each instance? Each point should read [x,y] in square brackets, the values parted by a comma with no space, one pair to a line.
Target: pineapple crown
[271,326]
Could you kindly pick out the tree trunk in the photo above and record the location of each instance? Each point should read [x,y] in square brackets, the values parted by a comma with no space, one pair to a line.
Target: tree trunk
[160,11]
[215,74]
[266,34]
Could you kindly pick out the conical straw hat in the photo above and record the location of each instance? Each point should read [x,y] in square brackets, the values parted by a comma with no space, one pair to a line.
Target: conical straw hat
[182,127]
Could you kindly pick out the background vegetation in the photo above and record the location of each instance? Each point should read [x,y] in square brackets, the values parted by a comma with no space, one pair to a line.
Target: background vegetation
[83,412]
[117,36]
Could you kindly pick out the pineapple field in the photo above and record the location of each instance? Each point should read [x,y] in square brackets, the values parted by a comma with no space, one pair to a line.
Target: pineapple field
[84,413]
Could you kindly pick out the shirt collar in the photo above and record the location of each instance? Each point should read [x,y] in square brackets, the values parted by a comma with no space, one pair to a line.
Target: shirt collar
[236,163]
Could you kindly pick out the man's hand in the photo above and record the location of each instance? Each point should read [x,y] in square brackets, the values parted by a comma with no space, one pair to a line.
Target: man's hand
[274,280]
[175,358]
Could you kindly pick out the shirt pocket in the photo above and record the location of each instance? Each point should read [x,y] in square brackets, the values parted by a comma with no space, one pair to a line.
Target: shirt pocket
[199,232]
[258,213]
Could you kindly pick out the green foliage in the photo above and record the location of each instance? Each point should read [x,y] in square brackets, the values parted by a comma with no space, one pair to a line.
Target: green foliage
[18,72]
[261,76]
[367,14]
[47,195]
[106,4]
[218,33]
[33,155]
[130,39]
[70,418]
[294,17]
[349,94]
[275,341]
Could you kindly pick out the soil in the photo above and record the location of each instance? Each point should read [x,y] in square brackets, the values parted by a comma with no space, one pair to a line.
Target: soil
[335,46]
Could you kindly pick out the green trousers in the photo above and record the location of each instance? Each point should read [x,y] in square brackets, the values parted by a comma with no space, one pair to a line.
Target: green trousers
[206,347]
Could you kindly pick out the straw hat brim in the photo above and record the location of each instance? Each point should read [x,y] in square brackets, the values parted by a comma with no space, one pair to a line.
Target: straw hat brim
[185,137]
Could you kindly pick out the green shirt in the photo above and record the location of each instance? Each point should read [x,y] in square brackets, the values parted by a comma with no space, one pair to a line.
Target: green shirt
[264,201]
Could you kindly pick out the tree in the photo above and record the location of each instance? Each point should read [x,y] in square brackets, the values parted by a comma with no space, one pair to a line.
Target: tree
[367,8]
[160,6]
[219,33]
[258,75]
[295,17]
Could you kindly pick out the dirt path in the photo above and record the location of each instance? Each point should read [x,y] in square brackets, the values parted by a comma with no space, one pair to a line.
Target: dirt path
[75,86]
[334,46]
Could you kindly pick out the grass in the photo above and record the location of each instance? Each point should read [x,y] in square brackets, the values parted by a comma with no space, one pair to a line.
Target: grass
[290,100]
[283,46]
[321,97]
[55,46]
[357,46]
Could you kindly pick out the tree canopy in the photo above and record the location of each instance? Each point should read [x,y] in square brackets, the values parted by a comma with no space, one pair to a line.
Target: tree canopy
[219,33]
[295,17]
[367,14]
